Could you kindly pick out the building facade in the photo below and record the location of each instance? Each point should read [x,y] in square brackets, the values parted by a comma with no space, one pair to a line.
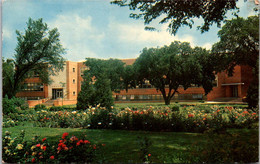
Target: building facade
[66,85]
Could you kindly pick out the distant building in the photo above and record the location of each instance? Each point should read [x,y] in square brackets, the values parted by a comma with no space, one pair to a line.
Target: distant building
[67,84]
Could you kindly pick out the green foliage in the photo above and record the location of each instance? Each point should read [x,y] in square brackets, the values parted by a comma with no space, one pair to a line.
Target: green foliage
[12,105]
[239,45]
[179,13]
[109,69]
[94,93]
[159,118]
[65,149]
[35,47]
[55,108]
[176,65]
[39,107]
[145,144]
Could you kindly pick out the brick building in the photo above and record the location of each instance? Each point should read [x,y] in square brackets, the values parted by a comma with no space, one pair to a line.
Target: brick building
[67,84]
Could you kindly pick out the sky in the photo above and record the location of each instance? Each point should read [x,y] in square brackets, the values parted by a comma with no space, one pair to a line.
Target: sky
[98,29]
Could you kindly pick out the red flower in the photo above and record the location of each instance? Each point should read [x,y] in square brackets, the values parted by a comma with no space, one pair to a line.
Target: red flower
[38,145]
[149,155]
[61,141]
[246,112]
[52,157]
[48,118]
[65,135]
[103,144]
[78,143]
[190,115]
[44,148]
[61,145]
[43,139]
[253,113]
[33,160]
[86,141]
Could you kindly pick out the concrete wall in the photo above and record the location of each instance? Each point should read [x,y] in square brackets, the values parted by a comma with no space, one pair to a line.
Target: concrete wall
[58,82]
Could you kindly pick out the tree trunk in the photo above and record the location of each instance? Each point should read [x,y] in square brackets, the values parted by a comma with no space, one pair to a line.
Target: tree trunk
[167,100]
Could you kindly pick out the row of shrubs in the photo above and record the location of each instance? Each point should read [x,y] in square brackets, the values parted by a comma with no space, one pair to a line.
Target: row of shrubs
[189,119]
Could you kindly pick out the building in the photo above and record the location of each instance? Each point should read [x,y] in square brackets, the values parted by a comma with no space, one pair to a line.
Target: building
[67,84]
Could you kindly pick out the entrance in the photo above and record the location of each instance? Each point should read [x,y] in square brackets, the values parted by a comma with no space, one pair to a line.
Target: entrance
[234,91]
[57,93]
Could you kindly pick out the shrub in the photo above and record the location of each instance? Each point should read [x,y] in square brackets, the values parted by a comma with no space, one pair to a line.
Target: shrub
[12,105]
[66,150]
[56,108]
[39,107]
[94,93]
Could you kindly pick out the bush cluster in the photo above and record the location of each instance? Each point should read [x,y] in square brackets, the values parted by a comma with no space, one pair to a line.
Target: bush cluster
[13,105]
[189,119]
[67,149]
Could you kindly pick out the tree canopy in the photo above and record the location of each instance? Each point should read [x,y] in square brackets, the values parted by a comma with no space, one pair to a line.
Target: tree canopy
[239,43]
[112,69]
[94,92]
[38,51]
[170,67]
[179,13]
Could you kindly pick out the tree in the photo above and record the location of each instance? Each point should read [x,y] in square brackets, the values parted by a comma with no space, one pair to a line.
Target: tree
[178,13]
[170,67]
[94,92]
[112,69]
[239,45]
[38,51]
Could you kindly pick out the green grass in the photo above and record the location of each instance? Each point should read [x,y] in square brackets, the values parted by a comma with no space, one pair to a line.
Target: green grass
[121,146]
[142,104]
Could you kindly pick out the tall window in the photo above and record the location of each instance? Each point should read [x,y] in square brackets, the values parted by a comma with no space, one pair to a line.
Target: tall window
[73,69]
[74,81]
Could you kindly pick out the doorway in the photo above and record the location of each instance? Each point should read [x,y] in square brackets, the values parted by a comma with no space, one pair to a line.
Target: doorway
[234,91]
[57,93]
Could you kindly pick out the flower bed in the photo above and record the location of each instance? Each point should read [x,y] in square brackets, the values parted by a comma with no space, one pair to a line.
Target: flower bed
[190,118]
[67,149]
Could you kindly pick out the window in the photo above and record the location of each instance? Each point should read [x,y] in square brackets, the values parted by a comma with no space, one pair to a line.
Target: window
[32,87]
[74,93]
[74,81]
[73,69]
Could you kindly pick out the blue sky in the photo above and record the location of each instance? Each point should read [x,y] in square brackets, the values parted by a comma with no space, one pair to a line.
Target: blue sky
[96,28]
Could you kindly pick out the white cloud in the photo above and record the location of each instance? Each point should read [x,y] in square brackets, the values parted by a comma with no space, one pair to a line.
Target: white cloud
[207,46]
[78,35]
[135,34]
[7,33]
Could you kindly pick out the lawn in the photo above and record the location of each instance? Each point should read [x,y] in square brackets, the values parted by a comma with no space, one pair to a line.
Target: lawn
[178,133]
[123,146]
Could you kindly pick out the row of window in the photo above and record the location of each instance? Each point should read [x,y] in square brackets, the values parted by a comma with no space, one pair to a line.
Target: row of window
[32,87]
[157,97]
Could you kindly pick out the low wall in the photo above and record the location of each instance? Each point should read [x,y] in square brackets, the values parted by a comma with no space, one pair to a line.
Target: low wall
[32,103]
[64,102]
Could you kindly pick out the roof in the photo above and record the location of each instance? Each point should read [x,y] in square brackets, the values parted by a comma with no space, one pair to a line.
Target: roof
[128,61]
